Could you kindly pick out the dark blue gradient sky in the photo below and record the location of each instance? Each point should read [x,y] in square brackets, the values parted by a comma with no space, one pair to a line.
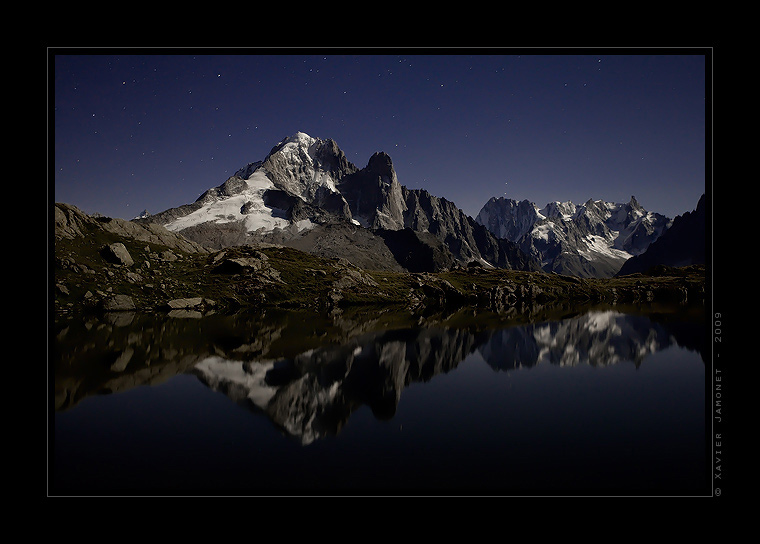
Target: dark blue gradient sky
[153,129]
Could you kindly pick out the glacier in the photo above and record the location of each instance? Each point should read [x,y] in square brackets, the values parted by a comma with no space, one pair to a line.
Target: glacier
[247,207]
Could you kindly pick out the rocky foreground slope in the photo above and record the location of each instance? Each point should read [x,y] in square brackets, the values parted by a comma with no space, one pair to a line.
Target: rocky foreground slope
[104,264]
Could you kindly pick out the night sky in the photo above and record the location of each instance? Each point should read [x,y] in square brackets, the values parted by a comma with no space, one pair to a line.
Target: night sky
[153,129]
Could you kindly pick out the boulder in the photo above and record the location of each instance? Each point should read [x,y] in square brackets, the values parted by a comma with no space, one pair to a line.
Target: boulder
[118,303]
[182,303]
[117,253]
[167,255]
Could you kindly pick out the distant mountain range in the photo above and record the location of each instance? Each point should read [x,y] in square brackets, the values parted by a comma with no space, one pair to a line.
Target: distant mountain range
[593,239]
[306,194]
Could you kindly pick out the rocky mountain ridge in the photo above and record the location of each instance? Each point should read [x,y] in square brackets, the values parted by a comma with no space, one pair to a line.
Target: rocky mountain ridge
[683,244]
[71,223]
[593,239]
[306,194]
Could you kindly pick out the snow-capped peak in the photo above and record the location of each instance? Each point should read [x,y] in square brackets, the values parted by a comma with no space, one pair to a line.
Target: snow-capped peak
[295,144]
[295,166]
[302,137]
[299,139]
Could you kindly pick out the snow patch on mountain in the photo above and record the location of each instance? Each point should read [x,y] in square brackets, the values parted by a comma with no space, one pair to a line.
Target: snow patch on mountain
[541,232]
[243,381]
[599,245]
[247,207]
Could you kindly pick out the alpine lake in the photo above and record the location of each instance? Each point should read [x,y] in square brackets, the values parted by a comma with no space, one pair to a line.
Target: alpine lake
[600,400]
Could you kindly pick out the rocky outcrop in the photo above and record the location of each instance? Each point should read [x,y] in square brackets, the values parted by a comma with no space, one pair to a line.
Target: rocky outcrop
[71,222]
[375,195]
[244,261]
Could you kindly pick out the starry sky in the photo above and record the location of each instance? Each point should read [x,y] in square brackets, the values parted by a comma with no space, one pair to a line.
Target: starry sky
[135,129]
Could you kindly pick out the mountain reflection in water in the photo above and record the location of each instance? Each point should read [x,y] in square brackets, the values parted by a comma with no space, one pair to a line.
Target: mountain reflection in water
[309,374]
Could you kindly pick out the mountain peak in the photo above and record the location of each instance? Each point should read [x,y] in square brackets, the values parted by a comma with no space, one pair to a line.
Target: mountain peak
[380,162]
[308,194]
[300,138]
[682,244]
[298,143]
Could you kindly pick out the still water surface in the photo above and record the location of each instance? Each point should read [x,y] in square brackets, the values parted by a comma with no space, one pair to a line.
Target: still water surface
[600,402]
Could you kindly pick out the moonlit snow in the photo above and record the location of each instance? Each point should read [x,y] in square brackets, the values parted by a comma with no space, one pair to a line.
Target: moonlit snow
[294,157]
[225,210]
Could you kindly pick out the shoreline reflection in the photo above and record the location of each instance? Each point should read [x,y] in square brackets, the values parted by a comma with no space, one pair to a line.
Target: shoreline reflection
[309,373]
